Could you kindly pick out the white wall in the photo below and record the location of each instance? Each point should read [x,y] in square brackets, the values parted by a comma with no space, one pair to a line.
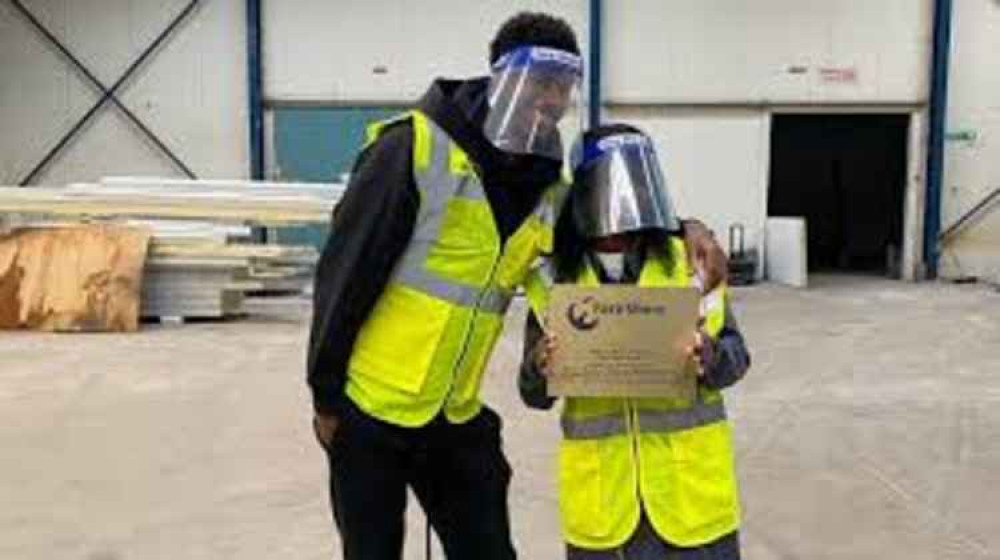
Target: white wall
[972,168]
[192,92]
[714,161]
[659,56]
[765,55]
[323,50]
[733,51]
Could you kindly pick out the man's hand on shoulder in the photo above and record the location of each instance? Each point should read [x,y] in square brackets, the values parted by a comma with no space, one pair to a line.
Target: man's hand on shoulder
[705,254]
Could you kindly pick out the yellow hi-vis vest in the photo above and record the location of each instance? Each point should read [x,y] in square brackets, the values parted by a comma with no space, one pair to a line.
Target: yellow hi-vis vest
[622,456]
[427,341]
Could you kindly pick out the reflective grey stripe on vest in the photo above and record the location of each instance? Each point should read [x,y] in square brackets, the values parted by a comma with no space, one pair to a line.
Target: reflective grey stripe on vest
[546,271]
[701,414]
[437,185]
[470,188]
[595,427]
[493,300]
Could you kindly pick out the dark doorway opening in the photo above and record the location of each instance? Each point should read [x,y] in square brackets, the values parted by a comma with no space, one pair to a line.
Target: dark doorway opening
[846,175]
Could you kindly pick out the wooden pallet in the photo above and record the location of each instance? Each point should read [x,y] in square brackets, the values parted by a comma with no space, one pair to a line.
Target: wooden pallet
[193,269]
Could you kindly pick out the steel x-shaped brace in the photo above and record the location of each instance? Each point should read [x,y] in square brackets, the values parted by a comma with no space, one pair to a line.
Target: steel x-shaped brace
[107,94]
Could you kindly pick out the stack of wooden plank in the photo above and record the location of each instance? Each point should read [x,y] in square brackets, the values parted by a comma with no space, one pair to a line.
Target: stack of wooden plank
[191,288]
[201,260]
[208,279]
[218,201]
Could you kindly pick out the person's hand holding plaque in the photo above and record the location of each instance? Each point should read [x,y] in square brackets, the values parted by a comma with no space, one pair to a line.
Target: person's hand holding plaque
[543,353]
[702,351]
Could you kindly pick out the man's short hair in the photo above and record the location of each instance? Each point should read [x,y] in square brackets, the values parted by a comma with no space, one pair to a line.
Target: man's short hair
[533,29]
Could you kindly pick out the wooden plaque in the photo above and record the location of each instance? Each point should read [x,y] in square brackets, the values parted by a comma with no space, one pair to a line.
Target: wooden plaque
[623,341]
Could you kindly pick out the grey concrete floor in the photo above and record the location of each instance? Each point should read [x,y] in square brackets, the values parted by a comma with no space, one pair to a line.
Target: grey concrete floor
[869,427]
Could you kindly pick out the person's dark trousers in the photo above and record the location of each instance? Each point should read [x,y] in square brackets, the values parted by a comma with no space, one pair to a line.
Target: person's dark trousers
[457,471]
[645,544]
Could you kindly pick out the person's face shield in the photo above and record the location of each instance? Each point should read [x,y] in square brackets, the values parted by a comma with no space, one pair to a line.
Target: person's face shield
[531,89]
[620,188]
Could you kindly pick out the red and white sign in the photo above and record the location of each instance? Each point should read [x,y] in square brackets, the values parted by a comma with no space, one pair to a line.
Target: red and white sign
[833,75]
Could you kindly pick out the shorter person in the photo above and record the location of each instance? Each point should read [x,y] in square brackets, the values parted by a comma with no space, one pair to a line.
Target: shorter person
[639,478]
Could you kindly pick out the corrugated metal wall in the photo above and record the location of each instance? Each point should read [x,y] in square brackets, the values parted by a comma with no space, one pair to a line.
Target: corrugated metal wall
[704,76]
[384,50]
[191,92]
[717,55]
[700,75]
[767,51]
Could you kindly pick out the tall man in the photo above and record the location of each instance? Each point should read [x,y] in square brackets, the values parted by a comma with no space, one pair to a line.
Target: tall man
[447,208]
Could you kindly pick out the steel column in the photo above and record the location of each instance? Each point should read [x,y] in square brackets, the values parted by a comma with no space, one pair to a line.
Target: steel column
[254,89]
[594,68]
[938,123]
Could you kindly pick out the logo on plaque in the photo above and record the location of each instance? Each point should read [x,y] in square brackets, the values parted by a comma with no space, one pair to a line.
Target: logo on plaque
[583,314]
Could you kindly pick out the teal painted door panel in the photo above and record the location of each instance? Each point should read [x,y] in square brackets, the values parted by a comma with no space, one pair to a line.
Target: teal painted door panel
[318,145]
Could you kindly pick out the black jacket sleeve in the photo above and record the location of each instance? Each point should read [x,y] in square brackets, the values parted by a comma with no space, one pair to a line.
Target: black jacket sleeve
[727,360]
[530,382]
[371,227]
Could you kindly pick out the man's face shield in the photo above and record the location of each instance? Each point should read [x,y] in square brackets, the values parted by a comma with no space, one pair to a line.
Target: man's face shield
[531,89]
[620,187]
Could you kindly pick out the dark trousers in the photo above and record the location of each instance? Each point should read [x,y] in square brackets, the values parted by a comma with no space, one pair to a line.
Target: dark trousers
[645,544]
[457,471]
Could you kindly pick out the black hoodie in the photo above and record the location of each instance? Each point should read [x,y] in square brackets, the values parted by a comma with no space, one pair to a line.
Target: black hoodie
[373,223]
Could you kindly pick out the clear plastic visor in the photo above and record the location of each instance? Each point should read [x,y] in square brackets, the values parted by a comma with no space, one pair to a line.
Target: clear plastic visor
[622,190]
[531,90]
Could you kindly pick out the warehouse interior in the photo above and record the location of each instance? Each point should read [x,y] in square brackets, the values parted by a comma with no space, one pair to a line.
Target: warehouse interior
[847,175]
[169,170]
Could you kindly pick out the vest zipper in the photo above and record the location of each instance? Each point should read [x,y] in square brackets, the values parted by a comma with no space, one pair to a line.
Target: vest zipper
[634,432]
[475,309]
[472,325]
